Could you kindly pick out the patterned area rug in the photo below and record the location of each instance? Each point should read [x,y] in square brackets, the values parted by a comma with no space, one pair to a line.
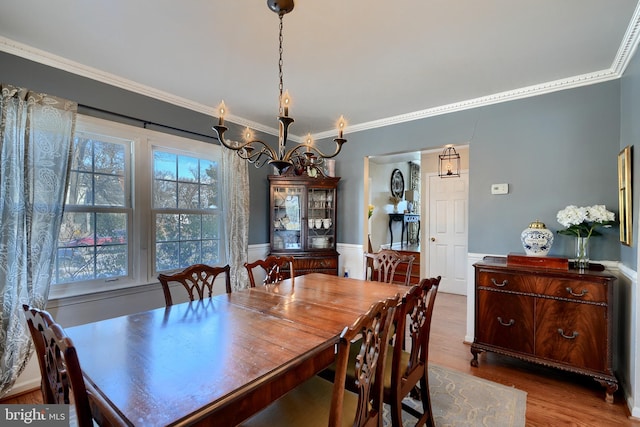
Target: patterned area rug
[463,400]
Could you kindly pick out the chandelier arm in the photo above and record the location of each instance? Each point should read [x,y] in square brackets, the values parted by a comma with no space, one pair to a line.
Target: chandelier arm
[314,149]
[266,149]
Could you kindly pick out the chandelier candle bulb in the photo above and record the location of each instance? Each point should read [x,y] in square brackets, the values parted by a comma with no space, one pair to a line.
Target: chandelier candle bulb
[341,124]
[222,111]
[286,100]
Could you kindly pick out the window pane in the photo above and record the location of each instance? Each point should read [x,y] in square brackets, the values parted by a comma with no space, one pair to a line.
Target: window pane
[188,196]
[165,194]
[190,227]
[188,170]
[109,158]
[189,253]
[167,256]
[167,227]
[164,165]
[210,226]
[82,159]
[210,252]
[109,191]
[111,261]
[80,191]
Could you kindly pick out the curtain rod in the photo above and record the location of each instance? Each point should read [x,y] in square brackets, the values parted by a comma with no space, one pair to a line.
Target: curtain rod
[146,122]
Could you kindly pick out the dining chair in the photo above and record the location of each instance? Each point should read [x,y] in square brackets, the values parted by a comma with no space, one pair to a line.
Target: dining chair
[381,266]
[406,371]
[318,402]
[406,365]
[62,374]
[276,269]
[196,279]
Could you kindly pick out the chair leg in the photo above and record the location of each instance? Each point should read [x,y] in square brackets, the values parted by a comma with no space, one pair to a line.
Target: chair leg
[426,399]
[396,412]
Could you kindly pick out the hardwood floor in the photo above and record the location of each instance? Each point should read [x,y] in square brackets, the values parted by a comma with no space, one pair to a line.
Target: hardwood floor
[554,398]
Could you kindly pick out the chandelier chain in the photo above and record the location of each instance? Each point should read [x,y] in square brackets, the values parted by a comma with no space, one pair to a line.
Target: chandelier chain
[281,86]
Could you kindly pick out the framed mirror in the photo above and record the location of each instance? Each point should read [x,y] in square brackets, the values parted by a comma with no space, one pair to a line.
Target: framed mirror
[625,196]
[397,184]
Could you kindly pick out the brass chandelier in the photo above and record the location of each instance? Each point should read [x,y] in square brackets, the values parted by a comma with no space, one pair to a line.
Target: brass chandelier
[259,152]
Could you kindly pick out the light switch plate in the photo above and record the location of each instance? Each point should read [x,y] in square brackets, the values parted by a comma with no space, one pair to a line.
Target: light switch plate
[499,188]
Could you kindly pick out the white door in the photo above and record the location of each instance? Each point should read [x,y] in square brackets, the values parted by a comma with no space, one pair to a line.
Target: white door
[447,234]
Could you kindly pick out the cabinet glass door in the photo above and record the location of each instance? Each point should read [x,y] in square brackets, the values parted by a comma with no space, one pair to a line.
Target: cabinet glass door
[287,217]
[321,218]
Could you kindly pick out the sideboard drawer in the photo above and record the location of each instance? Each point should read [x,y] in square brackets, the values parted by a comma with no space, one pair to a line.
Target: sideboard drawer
[503,281]
[573,289]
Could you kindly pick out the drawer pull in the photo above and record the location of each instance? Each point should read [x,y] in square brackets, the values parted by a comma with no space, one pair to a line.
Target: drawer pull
[505,282]
[583,293]
[510,323]
[569,337]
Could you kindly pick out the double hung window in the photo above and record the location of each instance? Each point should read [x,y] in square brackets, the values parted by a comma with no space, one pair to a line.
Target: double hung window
[138,203]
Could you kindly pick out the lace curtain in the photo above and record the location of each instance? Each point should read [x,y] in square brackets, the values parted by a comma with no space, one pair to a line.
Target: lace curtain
[36,133]
[236,203]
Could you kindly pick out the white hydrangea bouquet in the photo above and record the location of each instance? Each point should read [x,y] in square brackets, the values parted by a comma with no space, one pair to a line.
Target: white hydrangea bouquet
[583,221]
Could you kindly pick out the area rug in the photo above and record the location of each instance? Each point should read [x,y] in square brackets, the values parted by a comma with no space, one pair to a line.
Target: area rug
[460,399]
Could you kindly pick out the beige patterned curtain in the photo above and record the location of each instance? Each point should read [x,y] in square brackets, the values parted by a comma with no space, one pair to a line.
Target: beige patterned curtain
[236,203]
[36,134]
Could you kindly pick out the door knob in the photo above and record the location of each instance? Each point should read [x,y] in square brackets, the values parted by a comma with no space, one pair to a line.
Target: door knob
[433,239]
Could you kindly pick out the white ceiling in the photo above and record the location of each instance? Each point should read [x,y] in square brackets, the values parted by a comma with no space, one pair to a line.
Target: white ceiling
[376,62]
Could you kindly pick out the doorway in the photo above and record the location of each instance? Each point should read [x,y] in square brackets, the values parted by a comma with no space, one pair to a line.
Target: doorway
[448,250]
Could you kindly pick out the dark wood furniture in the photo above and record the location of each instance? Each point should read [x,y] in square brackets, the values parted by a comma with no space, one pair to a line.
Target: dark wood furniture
[318,402]
[259,343]
[196,280]
[409,367]
[381,266]
[557,318]
[62,378]
[405,219]
[275,268]
[303,212]
[414,272]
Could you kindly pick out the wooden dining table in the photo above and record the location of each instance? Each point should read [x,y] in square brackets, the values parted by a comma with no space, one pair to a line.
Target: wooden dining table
[219,360]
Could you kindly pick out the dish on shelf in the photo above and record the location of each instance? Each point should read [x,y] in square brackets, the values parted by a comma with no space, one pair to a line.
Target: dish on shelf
[320,242]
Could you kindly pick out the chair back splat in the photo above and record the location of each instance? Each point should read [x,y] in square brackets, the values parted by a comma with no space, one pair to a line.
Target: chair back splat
[381,266]
[197,279]
[276,269]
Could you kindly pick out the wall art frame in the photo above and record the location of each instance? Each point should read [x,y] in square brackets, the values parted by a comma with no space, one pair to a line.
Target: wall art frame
[625,196]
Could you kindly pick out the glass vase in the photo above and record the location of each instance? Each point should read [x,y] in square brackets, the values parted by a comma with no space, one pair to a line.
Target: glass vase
[582,253]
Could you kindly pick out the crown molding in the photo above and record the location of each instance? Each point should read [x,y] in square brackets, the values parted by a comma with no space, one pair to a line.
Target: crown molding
[623,56]
[496,98]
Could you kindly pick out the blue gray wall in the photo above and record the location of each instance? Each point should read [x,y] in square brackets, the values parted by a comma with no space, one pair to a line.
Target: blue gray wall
[553,150]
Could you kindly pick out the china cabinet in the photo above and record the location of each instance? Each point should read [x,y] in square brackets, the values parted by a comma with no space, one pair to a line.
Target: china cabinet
[303,211]
[560,318]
